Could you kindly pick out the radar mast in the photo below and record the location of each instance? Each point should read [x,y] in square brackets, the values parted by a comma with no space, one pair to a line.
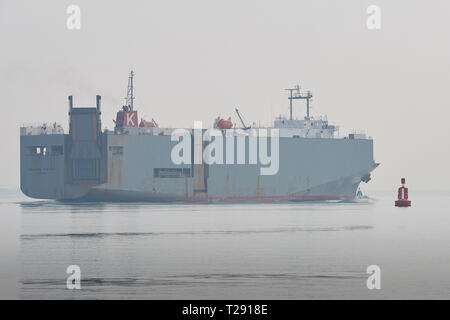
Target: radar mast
[129,99]
[294,93]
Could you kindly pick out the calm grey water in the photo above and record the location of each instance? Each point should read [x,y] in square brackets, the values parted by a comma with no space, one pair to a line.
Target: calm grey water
[234,251]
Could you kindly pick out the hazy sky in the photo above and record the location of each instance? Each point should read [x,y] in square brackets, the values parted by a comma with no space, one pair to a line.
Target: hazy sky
[196,59]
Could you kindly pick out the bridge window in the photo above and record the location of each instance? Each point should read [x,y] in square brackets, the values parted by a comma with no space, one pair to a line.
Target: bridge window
[38,150]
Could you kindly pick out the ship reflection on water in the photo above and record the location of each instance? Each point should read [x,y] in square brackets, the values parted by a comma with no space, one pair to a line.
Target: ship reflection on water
[230,251]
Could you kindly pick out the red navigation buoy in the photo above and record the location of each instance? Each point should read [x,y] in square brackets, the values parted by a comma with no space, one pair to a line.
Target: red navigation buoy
[403,196]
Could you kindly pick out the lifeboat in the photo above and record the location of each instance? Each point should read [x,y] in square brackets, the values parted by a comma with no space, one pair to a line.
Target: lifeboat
[146,124]
[223,124]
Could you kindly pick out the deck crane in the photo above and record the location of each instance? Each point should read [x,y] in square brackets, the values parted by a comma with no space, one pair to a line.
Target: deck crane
[245,127]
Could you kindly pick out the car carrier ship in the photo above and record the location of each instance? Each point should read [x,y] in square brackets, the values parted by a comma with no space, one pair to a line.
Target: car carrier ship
[133,162]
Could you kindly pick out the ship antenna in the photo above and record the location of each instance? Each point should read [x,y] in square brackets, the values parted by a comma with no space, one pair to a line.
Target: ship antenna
[291,90]
[298,95]
[130,92]
[242,120]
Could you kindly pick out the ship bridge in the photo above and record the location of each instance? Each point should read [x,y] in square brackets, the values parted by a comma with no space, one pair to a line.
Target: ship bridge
[308,128]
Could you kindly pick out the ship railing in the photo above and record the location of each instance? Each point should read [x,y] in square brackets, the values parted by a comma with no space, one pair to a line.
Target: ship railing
[41,129]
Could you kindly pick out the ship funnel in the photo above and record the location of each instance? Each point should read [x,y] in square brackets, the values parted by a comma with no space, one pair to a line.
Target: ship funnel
[70,103]
[98,100]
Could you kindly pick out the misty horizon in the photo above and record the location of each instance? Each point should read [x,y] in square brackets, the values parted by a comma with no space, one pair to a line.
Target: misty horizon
[197,60]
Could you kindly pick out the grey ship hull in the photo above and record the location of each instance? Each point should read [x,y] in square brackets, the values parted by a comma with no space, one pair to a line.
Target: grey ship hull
[120,167]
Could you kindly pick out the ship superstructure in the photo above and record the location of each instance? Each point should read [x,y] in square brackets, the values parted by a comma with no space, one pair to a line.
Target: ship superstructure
[135,161]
